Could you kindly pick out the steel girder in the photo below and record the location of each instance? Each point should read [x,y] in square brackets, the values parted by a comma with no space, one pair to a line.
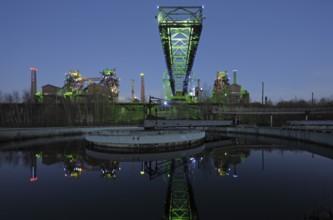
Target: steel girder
[180,28]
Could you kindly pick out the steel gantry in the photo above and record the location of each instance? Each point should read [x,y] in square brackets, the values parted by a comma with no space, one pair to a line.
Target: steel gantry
[180,28]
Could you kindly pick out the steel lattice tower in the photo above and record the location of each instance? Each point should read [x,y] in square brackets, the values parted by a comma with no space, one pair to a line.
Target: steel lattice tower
[180,28]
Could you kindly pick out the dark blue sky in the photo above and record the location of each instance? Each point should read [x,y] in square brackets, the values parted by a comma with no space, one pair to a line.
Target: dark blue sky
[288,44]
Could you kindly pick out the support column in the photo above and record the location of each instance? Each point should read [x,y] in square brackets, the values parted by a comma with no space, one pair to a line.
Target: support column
[271,120]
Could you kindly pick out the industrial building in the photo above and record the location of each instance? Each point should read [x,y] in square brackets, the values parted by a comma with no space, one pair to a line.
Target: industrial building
[224,92]
[76,87]
[180,30]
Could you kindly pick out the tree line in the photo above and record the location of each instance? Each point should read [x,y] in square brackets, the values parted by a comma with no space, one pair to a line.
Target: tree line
[18,110]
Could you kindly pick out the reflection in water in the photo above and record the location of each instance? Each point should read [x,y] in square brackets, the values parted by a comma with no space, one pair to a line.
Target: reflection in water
[109,169]
[73,165]
[209,173]
[180,203]
[226,161]
[33,157]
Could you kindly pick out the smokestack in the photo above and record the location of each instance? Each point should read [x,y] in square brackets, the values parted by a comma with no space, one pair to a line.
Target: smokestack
[132,90]
[142,88]
[235,76]
[33,83]
[262,93]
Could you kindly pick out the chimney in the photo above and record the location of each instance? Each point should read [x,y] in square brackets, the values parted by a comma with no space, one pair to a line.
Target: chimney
[132,90]
[235,76]
[142,75]
[33,83]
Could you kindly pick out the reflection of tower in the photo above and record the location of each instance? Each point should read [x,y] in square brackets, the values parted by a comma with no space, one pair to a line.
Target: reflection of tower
[109,169]
[156,169]
[262,159]
[222,166]
[142,171]
[33,82]
[73,166]
[142,88]
[33,159]
[235,171]
[132,90]
[180,202]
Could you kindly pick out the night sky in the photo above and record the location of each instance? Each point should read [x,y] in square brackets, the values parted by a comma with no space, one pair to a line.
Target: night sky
[287,44]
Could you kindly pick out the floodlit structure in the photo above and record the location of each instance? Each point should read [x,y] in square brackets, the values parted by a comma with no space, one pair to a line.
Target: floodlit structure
[180,30]
[224,92]
[110,83]
[76,85]
[221,83]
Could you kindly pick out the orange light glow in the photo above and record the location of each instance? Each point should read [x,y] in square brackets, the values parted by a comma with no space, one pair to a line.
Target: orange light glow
[33,179]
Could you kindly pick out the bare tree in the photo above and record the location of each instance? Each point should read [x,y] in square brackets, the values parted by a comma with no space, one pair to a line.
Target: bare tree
[206,109]
[206,93]
[16,96]
[8,98]
[25,96]
[27,109]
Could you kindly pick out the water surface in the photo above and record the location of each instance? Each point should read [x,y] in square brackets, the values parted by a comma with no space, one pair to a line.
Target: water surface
[250,179]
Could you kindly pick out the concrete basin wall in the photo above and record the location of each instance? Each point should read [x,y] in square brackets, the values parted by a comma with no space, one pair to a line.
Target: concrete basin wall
[13,134]
[294,134]
[144,137]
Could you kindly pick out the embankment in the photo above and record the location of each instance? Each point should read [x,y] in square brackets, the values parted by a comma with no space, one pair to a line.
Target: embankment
[16,134]
[312,136]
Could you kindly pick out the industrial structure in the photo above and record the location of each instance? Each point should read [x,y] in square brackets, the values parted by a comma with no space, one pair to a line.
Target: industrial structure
[180,30]
[142,90]
[132,91]
[76,85]
[33,82]
[224,92]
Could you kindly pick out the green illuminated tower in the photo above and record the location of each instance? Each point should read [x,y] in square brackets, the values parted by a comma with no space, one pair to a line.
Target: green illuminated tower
[180,28]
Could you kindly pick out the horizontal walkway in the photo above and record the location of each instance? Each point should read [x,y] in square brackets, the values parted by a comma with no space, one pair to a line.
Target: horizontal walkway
[13,134]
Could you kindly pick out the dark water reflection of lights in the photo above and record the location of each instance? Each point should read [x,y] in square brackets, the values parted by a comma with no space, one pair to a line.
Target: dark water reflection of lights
[258,178]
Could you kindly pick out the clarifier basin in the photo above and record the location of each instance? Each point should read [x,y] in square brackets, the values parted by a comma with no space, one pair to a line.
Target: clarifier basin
[144,141]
